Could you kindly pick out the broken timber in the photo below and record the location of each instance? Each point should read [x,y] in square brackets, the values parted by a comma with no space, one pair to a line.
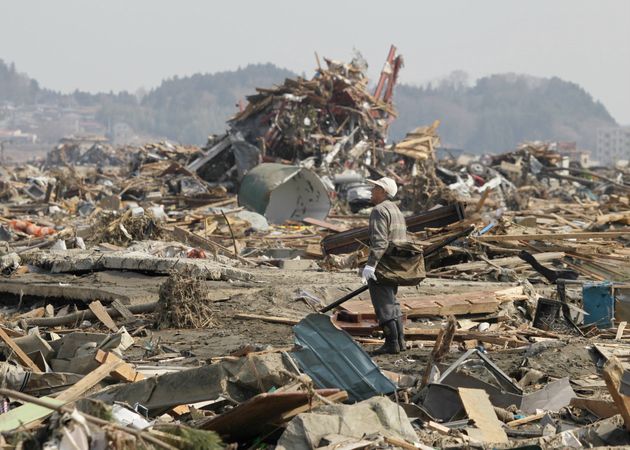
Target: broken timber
[20,355]
[349,241]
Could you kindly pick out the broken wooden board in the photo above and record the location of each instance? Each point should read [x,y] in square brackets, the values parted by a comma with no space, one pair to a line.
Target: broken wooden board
[19,354]
[600,408]
[30,414]
[619,351]
[122,371]
[326,225]
[264,411]
[434,426]
[527,419]
[122,310]
[87,382]
[358,327]
[474,302]
[620,328]
[101,314]
[501,339]
[613,371]
[479,409]
[189,238]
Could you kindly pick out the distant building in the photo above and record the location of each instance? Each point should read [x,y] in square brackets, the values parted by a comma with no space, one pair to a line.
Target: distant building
[17,137]
[613,144]
[571,150]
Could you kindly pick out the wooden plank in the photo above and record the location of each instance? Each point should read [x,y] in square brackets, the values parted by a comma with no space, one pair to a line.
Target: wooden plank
[554,236]
[87,382]
[270,319]
[430,334]
[475,302]
[528,419]
[323,224]
[453,304]
[123,370]
[434,426]
[620,328]
[186,237]
[12,333]
[399,443]
[101,314]
[21,356]
[122,310]
[314,250]
[619,351]
[479,409]
[600,408]
[37,312]
[613,371]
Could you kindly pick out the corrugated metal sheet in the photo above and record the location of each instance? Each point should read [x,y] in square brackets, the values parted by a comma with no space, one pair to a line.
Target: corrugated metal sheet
[334,360]
[281,192]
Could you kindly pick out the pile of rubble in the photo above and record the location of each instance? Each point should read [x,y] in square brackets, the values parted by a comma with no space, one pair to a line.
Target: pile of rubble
[169,296]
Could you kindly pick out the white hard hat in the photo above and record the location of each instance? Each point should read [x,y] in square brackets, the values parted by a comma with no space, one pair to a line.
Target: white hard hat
[388,185]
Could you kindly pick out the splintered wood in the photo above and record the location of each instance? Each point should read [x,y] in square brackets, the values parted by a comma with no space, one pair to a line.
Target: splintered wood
[440,349]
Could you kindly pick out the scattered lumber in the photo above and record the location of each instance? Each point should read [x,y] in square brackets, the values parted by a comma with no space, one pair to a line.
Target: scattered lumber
[19,354]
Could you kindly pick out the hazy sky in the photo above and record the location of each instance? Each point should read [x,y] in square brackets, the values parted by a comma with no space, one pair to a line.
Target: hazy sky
[116,44]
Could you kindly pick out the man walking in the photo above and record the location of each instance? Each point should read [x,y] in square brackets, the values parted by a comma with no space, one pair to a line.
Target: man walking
[387,227]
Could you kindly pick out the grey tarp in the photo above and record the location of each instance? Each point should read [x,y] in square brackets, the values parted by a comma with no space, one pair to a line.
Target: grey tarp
[237,380]
[376,415]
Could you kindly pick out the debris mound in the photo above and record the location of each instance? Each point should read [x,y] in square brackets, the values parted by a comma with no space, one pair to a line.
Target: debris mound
[183,303]
[125,228]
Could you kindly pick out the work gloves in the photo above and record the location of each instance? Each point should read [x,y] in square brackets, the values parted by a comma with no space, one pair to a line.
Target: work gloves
[368,274]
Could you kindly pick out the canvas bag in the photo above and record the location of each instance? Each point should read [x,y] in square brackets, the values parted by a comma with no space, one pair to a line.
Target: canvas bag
[402,265]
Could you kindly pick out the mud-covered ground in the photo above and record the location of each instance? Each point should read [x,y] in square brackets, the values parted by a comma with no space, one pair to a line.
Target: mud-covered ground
[277,293]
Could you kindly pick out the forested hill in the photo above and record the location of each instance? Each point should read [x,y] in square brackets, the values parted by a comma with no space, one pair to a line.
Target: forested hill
[187,109]
[493,114]
[499,111]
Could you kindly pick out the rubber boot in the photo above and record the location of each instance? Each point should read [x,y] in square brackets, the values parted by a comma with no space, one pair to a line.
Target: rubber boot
[401,334]
[390,330]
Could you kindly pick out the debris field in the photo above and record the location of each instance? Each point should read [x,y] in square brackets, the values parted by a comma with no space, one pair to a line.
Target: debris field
[170,297]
